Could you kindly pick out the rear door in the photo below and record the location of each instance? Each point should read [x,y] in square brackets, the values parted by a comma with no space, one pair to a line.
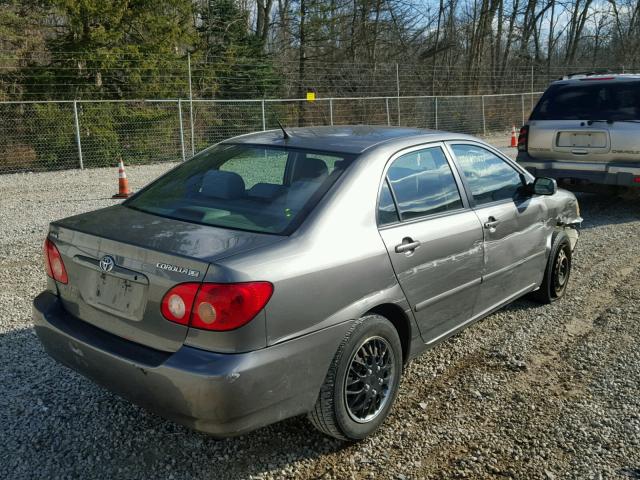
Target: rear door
[434,240]
[514,225]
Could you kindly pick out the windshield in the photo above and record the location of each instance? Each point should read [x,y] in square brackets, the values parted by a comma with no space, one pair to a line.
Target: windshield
[245,187]
[590,100]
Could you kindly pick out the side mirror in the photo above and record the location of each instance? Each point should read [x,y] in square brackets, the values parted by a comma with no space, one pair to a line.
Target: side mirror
[544,186]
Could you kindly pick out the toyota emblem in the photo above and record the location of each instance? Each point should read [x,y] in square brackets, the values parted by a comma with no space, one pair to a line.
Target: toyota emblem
[107,263]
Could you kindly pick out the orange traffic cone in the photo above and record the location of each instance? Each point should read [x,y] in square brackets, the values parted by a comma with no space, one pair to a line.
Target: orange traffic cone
[514,137]
[123,183]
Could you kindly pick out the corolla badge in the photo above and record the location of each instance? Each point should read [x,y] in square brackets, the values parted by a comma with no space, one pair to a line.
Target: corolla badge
[106,263]
[175,268]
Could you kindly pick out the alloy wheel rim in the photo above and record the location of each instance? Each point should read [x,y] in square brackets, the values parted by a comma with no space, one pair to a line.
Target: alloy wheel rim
[369,380]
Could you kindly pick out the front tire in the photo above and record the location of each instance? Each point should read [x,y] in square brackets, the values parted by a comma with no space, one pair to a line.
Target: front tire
[557,271]
[362,382]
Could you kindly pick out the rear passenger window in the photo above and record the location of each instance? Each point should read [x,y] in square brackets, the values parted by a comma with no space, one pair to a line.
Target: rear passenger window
[423,184]
[490,178]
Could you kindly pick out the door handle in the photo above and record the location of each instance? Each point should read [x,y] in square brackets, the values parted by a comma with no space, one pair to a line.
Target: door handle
[407,245]
[491,223]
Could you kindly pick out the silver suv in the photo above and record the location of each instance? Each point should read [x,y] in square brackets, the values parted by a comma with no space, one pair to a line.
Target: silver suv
[585,131]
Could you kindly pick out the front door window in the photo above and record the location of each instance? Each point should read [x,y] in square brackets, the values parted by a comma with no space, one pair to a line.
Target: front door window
[489,177]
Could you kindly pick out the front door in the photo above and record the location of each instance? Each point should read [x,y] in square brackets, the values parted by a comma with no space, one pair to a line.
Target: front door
[515,231]
[433,238]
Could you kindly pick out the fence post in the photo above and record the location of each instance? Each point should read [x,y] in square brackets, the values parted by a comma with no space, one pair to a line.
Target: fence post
[264,118]
[77,125]
[436,107]
[531,86]
[193,146]
[388,117]
[181,129]
[484,120]
[398,90]
[331,111]
[523,114]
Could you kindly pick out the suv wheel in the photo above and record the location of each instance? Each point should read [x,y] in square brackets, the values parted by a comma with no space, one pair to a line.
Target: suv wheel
[362,382]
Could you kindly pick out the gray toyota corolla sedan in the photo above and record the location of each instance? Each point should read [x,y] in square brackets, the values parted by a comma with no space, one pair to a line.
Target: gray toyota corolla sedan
[275,275]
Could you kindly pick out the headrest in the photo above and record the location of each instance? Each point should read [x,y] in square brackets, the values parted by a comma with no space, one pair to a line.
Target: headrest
[265,190]
[220,184]
[309,169]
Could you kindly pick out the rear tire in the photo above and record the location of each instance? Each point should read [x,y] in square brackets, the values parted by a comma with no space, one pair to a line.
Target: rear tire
[362,382]
[557,271]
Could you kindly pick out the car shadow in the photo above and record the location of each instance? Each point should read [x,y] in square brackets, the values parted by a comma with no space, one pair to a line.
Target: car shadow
[56,423]
[600,209]
[520,304]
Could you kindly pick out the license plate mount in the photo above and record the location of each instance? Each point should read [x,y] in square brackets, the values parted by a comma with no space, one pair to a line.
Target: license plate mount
[582,140]
[116,295]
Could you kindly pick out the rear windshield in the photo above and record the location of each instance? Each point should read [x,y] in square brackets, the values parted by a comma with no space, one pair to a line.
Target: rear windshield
[244,187]
[590,100]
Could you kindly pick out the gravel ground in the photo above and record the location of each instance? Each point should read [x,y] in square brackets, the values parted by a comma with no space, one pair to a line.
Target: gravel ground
[530,392]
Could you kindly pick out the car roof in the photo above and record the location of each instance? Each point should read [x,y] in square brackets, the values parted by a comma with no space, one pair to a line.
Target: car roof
[354,139]
[589,79]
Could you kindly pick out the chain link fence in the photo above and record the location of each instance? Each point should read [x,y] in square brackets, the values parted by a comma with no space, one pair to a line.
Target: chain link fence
[54,135]
[103,75]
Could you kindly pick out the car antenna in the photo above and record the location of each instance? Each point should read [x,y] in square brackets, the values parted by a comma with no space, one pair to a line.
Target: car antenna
[284,132]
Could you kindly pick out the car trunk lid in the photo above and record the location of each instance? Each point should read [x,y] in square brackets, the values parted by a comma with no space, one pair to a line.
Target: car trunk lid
[121,262]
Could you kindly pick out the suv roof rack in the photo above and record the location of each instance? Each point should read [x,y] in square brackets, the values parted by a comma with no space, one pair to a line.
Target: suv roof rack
[588,73]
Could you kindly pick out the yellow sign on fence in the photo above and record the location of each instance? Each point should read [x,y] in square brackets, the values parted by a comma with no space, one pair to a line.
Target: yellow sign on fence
[311,96]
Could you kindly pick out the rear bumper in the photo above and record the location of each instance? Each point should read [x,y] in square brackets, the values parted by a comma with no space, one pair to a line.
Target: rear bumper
[221,394]
[620,174]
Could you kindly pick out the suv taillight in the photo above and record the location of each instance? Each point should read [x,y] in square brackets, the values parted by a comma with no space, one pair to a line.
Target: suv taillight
[215,306]
[523,138]
[53,263]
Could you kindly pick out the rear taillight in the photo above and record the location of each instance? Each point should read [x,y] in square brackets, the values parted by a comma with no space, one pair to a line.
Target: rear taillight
[177,303]
[53,263]
[215,306]
[523,138]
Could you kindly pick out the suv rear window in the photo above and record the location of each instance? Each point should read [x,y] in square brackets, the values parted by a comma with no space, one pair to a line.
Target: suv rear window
[590,100]
[244,187]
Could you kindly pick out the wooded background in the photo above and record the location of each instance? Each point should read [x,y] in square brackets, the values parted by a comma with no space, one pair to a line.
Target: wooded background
[86,82]
[125,49]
